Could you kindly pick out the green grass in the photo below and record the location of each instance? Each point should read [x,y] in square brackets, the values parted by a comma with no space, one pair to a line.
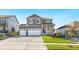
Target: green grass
[48,39]
[62,47]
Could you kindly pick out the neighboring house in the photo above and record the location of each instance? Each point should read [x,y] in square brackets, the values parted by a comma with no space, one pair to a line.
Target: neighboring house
[7,22]
[75,25]
[63,29]
[37,26]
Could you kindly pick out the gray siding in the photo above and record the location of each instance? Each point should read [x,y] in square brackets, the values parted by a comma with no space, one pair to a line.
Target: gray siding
[34,20]
[12,23]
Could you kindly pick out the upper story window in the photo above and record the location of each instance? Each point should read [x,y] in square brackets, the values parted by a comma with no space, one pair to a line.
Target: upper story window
[2,20]
[38,21]
[33,21]
[29,21]
[47,21]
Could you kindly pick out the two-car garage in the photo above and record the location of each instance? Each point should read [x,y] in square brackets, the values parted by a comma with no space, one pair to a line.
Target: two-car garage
[34,32]
[30,32]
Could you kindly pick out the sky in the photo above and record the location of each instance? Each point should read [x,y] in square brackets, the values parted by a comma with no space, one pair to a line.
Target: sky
[60,16]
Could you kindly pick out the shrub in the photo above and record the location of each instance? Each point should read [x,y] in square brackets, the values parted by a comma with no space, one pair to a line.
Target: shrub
[13,34]
[2,37]
[58,35]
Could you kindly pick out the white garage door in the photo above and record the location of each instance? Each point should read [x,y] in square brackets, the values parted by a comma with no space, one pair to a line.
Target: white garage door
[22,33]
[34,32]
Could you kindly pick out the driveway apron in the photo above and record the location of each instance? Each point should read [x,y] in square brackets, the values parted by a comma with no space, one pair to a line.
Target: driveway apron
[22,43]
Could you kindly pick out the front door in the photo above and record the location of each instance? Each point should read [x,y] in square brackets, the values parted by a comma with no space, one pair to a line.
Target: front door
[44,30]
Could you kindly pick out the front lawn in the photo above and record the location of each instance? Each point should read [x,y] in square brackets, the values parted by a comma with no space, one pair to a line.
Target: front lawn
[62,47]
[48,39]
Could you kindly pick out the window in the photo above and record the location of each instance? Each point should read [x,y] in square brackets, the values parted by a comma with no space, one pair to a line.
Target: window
[29,21]
[37,21]
[34,21]
[47,21]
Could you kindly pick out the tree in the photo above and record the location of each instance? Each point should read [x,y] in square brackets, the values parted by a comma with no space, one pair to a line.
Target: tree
[72,33]
[66,34]
[13,33]
[51,31]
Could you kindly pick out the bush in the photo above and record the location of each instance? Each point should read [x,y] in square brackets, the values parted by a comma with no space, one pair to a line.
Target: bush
[58,35]
[2,37]
[12,34]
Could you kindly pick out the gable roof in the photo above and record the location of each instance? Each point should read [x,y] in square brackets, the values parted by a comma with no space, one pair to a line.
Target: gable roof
[34,15]
[65,26]
[44,19]
[74,24]
[7,16]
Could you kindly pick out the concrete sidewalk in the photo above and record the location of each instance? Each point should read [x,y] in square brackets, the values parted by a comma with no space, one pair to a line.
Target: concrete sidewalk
[22,43]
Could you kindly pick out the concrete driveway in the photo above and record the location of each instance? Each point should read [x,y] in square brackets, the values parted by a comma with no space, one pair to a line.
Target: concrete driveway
[22,43]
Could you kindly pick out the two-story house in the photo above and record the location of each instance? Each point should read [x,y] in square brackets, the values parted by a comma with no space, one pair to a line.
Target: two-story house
[37,26]
[7,22]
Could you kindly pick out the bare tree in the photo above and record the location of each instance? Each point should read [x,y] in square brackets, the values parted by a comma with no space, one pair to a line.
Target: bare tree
[72,33]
